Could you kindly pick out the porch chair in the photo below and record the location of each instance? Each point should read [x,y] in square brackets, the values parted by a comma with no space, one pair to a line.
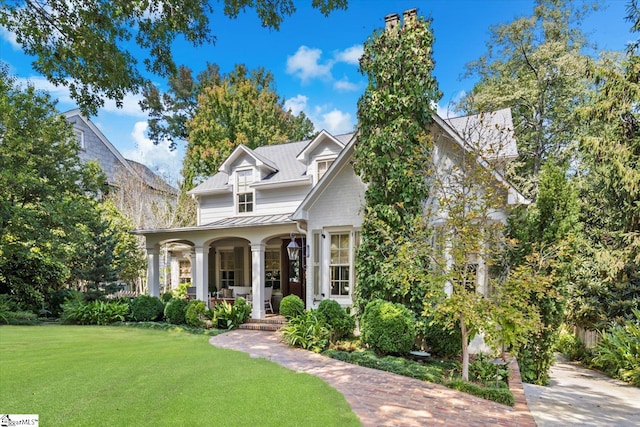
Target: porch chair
[267,299]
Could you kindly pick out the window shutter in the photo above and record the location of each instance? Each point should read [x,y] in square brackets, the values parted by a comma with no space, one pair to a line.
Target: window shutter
[239,266]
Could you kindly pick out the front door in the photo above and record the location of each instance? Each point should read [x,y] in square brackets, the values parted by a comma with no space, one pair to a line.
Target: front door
[294,271]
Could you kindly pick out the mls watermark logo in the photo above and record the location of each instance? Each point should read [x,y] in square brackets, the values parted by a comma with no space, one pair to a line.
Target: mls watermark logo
[10,420]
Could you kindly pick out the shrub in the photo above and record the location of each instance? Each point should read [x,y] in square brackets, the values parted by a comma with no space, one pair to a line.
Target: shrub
[166,297]
[93,313]
[570,346]
[307,331]
[500,395]
[291,306]
[175,311]
[58,298]
[337,318]
[618,352]
[487,373]
[146,308]
[442,341]
[388,328]
[227,316]
[194,314]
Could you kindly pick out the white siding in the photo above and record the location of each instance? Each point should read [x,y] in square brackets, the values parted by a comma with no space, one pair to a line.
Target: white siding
[279,200]
[213,208]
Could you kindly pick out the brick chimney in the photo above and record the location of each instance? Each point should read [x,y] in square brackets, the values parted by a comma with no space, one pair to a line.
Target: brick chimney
[410,14]
[391,21]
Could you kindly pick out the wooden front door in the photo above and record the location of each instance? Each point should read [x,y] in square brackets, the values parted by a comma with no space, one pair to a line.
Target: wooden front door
[294,270]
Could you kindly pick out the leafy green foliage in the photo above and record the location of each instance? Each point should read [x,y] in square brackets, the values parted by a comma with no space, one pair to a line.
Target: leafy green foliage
[93,313]
[618,352]
[500,395]
[46,195]
[339,321]
[291,306]
[483,371]
[227,316]
[442,341]
[388,328]
[175,311]
[146,308]
[392,157]
[195,313]
[85,44]
[570,346]
[307,330]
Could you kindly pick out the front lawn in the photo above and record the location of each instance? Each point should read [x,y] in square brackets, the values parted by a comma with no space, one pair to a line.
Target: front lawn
[92,375]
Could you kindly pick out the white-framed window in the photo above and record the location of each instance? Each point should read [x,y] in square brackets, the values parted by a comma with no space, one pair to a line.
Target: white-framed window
[322,166]
[227,268]
[244,193]
[272,268]
[340,264]
[79,133]
[185,271]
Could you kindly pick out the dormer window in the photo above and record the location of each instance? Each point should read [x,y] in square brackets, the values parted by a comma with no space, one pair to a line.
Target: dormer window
[244,192]
[322,166]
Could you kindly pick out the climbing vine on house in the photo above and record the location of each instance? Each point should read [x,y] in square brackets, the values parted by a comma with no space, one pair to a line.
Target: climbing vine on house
[393,157]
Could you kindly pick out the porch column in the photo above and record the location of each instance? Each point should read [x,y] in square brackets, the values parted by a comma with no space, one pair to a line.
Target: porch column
[153,270]
[202,273]
[257,280]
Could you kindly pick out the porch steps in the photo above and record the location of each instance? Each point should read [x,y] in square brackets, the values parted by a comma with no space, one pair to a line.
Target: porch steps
[271,323]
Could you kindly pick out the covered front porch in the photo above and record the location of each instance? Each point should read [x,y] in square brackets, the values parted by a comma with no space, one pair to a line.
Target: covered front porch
[244,256]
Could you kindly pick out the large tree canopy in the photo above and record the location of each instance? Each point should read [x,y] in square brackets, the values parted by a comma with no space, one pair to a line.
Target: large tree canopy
[93,46]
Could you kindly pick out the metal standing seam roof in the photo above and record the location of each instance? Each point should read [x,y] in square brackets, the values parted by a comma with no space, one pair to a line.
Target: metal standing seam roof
[243,221]
[492,132]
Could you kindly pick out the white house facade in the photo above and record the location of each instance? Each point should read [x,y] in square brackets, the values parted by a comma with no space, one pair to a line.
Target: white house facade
[303,195]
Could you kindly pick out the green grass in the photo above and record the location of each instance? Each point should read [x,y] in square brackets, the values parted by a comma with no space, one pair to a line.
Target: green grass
[91,375]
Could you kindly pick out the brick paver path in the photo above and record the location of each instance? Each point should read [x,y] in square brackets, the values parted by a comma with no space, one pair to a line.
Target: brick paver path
[379,398]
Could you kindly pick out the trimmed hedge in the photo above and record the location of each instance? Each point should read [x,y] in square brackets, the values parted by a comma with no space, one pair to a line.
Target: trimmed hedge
[388,328]
[146,308]
[337,318]
[291,306]
[175,311]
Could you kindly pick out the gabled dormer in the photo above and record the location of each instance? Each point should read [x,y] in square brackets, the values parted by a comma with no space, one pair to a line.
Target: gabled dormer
[319,154]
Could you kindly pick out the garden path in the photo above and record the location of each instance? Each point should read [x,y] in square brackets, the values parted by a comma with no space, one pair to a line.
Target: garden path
[380,398]
[582,397]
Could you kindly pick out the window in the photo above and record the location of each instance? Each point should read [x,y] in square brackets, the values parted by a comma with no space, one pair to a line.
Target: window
[323,166]
[272,269]
[227,268]
[317,290]
[244,178]
[185,271]
[340,265]
[467,276]
[80,138]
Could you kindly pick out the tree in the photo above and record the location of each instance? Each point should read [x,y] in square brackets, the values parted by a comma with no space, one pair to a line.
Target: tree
[535,66]
[241,107]
[44,193]
[93,46]
[392,157]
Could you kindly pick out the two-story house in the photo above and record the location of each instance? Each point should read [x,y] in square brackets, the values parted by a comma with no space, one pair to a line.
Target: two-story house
[287,217]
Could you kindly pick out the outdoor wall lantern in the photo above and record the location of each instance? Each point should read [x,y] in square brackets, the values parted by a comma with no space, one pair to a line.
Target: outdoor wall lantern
[293,249]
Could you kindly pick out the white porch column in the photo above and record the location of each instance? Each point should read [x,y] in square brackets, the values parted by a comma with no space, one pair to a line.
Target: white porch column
[153,270]
[202,273]
[257,280]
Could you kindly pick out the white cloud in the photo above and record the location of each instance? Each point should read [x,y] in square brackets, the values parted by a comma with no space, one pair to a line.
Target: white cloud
[345,85]
[130,106]
[296,104]
[304,64]
[61,93]
[336,122]
[158,158]
[10,37]
[350,55]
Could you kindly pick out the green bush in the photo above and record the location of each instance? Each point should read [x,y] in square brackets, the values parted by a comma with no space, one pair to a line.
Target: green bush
[570,346]
[483,371]
[307,331]
[388,328]
[340,322]
[166,297]
[175,311]
[442,341]
[227,316]
[146,308]
[618,352]
[93,313]
[57,298]
[500,395]
[291,306]
[194,314]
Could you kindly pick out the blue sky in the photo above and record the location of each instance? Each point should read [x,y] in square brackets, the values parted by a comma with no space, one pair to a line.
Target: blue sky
[314,60]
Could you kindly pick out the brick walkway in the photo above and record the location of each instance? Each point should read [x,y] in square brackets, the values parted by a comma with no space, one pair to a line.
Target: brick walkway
[380,398]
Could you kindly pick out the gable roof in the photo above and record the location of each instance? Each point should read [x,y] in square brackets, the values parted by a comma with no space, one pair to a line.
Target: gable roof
[286,169]
[243,149]
[303,156]
[490,132]
[136,169]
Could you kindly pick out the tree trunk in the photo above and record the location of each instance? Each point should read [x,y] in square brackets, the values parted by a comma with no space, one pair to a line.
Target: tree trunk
[465,349]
